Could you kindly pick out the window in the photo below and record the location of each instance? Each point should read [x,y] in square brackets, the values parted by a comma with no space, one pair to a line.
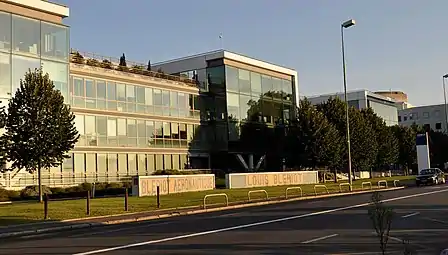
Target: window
[122,164]
[287,87]
[20,66]
[232,79]
[266,84]
[399,118]
[130,93]
[67,164]
[121,92]
[277,85]
[122,134]
[101,94]
[101,125]
[111,91]
[79,162]
[426,115]
[233,105]
[5,31]
[183,105]
[101,161]
[405,118]
[140,94]
[112,131]
[167,161]
[244,106]
[90,163]
[141,133]
[255,84]
[438,126]
[159,162]
[150,163]
[54,41]
[26,35]
[79,125]
[132,164]
[244,81]
[141,164]
[58,73]
[5,71]
[112,163]
[90,129]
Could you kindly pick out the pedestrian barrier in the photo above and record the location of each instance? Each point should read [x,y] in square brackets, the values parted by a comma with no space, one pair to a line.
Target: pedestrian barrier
[320,186]
[365,183]
[216,195]
[344,184]
[292,188]
[382,181]
[395,183]
[257,191]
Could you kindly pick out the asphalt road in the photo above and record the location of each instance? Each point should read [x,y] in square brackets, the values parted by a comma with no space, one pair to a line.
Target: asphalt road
[326,226]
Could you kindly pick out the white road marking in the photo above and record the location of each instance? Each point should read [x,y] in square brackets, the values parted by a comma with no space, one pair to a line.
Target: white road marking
[436,220]
[319,239]
[260,223]
[410,215]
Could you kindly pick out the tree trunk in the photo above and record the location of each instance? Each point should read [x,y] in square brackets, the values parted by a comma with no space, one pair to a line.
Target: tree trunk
[39,176]
[335,175]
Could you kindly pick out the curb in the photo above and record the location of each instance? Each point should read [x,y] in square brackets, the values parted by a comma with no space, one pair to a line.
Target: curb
[174,214]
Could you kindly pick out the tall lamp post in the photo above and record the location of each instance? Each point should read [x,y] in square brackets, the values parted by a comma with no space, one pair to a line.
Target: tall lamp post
[444,97]
[344,25]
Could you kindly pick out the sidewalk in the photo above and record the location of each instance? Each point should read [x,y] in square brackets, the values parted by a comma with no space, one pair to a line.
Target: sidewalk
[53,226]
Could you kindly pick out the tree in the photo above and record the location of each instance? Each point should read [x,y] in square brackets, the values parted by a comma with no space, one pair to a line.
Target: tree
[123,61]
[149,65]
[363,143]
[3,140]
[381,217]
[40,127]
[407,154]
[312,139]
[387,142]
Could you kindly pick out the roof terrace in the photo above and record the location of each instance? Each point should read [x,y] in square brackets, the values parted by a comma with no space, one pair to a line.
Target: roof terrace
[111,63]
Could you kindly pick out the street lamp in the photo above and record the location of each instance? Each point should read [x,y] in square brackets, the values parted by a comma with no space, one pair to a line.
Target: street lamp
[346,24]
[444,97]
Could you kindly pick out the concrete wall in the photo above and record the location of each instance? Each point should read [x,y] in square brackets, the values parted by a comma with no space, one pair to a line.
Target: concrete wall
[250,180]
[169,184]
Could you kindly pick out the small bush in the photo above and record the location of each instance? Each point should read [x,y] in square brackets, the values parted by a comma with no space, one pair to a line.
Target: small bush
[170,172]
[33,191]
[4,195]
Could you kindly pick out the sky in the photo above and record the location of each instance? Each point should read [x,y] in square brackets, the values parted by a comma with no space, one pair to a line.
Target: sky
[395,45]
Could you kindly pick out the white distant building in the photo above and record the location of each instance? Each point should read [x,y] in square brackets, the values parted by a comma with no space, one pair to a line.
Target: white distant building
[383,106]
[430,116]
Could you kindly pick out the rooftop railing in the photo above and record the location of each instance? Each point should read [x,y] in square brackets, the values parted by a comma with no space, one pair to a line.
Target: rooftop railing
[96,60]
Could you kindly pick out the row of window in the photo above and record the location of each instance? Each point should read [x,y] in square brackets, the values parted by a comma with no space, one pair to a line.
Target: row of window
[33,37]
[414,116]
[112,164]
[241,107]
[108,95]
[13,68]
[129,132]
[256,84]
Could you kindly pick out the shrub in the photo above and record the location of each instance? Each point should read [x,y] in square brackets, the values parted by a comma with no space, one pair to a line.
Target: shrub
[33,191]
[77,58]
[170,172]
[92,62]
[4,195]
[106,64]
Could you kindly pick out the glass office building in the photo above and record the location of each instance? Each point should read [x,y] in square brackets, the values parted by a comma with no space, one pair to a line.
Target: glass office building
[235,90]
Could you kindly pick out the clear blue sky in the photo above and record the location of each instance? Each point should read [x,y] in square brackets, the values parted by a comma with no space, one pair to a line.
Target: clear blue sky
[396,44]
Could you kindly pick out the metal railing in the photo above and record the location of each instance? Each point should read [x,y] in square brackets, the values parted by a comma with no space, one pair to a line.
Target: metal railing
[93,59]
[293,188]
[216,195]
[382,181]
[257,191]
[320,186]
[365,183]
[344,184]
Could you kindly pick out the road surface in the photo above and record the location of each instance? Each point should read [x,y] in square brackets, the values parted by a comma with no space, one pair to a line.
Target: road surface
[326,226]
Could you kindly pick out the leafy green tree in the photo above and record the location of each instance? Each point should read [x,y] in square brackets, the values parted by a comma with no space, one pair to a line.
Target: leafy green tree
[39,126]
[407,155]
[387,142]
[312,139]
[3,140]
[363,143]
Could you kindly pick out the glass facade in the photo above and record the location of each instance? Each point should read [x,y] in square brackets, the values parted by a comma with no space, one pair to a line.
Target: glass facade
[28,44]
[256,97]
[388,112]
[113,96]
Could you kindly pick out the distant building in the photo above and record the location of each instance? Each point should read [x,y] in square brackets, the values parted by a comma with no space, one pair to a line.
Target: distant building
[429,116]
[400,97]
[385,107]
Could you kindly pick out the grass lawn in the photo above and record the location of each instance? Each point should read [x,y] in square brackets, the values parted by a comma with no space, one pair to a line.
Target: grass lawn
[69,209]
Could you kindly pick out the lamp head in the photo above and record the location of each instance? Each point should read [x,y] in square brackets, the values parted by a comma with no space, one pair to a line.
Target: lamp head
[445,76]
[348,23]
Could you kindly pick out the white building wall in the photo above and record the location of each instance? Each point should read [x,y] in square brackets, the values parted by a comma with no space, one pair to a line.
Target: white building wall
[432,115]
